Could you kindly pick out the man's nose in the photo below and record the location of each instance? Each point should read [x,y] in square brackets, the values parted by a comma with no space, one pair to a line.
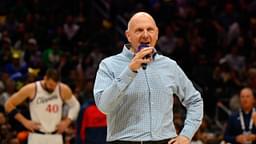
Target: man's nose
[145,33]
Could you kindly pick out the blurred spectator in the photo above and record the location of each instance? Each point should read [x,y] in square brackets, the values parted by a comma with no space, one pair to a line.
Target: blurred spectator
[240,126]
[5,52]
[3,95]
[234,59]
[167,41]
[32,54]
[13,141]
[51,55]
[251,61]
[234,103]
[11,87]
[71,31]
[226,81]
[5,129]
[32,75]
[229,15]
[2,119]
[233,33]
[91,125]
[252,79]
[70,27]
[16,69]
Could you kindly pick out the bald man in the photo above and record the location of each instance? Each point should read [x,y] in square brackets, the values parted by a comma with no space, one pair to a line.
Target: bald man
[135,90]
[241,125]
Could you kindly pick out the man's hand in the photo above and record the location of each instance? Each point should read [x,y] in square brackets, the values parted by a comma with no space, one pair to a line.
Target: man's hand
[254,118]
[32,126]
[179,140]
[242,138]
[251,137]
[61,127]
[139,58]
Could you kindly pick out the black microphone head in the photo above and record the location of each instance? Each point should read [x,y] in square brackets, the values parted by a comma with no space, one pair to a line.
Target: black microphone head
[141,46]
[144,66]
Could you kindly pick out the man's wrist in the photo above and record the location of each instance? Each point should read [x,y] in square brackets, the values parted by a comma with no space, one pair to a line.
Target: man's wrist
[13,112]
[133,70]
[185,137]
[253,137]
[68,120]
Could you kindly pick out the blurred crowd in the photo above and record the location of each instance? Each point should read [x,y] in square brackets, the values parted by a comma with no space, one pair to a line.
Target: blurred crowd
[214,41]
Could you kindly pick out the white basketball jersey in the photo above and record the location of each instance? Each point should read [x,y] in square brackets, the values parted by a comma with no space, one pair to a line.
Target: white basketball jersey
[46,108]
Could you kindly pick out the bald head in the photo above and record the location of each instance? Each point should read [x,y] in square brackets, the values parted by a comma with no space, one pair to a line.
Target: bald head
[137,16]
[246,91]
[141,29]
[246,99]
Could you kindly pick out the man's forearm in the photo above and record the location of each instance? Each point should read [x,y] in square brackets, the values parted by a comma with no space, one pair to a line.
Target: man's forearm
[74,107]
[19,117]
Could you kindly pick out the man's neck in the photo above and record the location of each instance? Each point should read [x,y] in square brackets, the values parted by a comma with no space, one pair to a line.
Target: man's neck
[129,46]
[247,110]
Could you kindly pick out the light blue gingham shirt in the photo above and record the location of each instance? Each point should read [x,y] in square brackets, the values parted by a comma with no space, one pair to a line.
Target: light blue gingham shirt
[139,106]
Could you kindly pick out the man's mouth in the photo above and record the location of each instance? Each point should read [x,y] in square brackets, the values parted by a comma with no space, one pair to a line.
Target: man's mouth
[146,43]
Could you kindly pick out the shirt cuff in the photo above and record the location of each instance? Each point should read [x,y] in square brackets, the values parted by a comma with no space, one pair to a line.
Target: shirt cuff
[188,131]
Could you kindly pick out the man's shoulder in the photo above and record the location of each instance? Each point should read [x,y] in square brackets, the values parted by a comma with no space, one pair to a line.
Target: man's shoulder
[164,58]
[30,85]
[64,86]
[234,115]
[114,58]
[28,89]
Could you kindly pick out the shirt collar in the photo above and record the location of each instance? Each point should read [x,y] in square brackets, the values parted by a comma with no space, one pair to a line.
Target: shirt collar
[247,113]
[127,52]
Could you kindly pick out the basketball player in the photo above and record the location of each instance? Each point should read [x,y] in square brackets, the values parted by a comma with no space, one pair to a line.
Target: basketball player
[46,101]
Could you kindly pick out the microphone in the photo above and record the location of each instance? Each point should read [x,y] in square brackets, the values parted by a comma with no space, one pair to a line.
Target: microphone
[141,46]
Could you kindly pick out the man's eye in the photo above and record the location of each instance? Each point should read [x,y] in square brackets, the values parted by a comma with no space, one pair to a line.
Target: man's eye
[150,30]
[138,31]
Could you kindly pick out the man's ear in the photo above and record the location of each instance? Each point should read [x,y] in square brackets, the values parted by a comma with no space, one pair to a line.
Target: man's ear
[45,78]
[128,36]
[157,33]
